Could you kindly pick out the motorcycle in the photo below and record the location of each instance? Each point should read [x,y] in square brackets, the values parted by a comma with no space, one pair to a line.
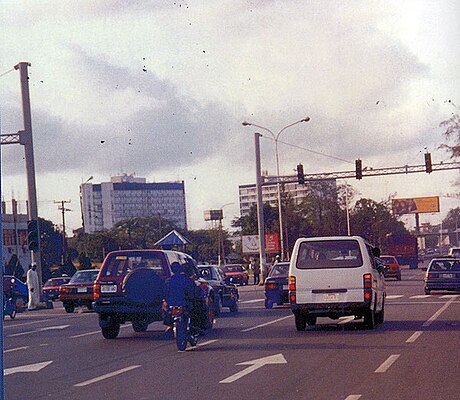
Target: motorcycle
[9,306]
[182,328]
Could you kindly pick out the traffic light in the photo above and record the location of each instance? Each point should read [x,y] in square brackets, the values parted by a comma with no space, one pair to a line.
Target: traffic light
[32,235]
[359,169]
[428,165]
[300,174]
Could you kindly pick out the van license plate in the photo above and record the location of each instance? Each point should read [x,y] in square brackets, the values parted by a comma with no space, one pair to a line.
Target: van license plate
[81,290]
[331,296]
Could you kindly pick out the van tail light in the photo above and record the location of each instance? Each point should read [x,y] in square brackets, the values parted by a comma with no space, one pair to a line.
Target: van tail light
[367,284]
[292,290]
[271,285]
[97,290]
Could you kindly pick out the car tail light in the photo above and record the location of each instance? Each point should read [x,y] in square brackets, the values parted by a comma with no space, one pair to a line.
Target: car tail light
[271,285]
[292,290]
[431,275]
[367,284]
[97,290]
[65,290]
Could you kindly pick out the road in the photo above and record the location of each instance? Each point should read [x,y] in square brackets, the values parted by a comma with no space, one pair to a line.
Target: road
[254,354]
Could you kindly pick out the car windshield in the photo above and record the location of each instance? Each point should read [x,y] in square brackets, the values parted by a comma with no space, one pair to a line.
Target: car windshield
[389,260]
[121,264]
[56,282]
[279,270]
[233,268]
[84,276]
[329,254]
[444,265]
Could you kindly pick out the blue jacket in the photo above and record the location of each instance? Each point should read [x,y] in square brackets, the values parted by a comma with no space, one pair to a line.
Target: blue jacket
[180,290]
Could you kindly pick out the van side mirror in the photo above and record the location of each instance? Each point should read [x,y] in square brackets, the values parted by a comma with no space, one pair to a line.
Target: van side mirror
[376,252]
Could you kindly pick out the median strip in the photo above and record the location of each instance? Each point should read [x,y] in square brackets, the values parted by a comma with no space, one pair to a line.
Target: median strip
[265,324]
[106,376]
[387,363]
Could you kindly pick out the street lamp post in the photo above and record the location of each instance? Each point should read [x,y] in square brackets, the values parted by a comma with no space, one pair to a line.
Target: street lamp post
[276,138]
[221,253]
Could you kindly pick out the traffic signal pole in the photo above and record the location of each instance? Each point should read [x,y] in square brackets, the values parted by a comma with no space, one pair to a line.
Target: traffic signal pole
[25,139]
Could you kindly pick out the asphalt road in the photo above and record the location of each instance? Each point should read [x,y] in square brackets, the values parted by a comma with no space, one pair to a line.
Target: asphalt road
[254,354]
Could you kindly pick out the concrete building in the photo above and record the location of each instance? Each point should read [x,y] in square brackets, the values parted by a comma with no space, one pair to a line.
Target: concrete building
[125,196]
[14,237]
[248,193]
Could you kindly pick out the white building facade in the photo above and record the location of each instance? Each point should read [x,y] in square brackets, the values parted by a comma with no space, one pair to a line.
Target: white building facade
[298,192]
[125,196]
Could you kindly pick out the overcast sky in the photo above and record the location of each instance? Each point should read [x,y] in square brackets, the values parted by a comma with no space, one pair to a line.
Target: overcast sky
[160,88]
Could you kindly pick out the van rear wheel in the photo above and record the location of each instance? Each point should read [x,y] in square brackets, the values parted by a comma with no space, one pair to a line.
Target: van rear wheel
[300,322]
[311,321]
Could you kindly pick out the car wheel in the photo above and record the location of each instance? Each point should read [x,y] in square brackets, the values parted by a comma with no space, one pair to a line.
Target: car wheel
[217,303]
[210,321]
[111,332]
[13,314]
[300,322]
[268,304]
[70,308]
[140,325]
[234,306]
[369,319]
[311,321]
[380,316]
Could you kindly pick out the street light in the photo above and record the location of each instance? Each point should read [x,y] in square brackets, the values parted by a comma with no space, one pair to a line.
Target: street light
[221,253]
[275,138]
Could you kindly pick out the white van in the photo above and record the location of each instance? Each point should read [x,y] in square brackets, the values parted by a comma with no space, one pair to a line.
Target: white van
[334,277]
[454,252]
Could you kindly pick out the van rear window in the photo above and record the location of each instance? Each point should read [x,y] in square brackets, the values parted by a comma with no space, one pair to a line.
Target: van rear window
[121,264]
[329,254]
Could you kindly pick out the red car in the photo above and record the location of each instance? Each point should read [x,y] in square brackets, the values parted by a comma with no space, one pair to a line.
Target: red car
[51,287]
[393,269]
[236,274]
[79,290]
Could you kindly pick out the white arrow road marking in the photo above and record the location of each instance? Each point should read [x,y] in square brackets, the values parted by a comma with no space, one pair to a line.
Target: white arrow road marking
[255,364]
[27,368]
[106,376]
[48,328]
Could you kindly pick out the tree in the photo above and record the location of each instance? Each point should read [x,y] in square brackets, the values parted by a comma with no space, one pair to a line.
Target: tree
[452,133]
[248,223]
[452,223]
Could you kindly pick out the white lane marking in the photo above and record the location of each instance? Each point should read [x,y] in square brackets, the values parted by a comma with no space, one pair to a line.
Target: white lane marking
[421,296]
[387,363]
[354,397]
[414,337]
[47,328]
[437,314]
[255,364]
[251,301]
[27,368]
[106,376]
[93,332]
[393,296]
[202,344]
[41,320]
[16,349]
[449,296]
[266,324]
[346,320]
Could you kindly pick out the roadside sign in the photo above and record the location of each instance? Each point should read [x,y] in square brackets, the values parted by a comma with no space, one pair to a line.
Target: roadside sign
[250,243]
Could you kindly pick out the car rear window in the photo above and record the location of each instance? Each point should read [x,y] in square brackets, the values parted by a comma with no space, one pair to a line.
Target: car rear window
[279,270]
[56,282]
[84,276]
[444,265]
[121,264]
[233,268]
[329,254]
[389,260]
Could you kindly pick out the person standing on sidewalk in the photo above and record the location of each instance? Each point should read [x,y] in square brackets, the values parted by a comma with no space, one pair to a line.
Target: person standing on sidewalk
[255,271]
[33,287]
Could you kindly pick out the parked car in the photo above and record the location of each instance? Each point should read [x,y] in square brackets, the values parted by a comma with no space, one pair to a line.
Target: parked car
[443,274]
[333,277]
[19,289]
[276,285]
[131,286]
[454,252]
[393,269]
[79,290]
[223,294]
[51,287]
[236,273]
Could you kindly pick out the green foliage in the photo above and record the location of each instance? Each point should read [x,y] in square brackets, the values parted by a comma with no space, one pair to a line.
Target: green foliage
[452,134]
[248,223]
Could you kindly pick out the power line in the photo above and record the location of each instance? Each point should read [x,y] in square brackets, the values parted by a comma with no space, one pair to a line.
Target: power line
[7,72]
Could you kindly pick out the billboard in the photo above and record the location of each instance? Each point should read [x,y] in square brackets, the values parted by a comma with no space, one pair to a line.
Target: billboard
[213,215]
[415,205]
[250,243]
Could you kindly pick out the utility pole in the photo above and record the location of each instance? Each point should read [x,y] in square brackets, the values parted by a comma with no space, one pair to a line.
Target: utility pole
[63,210]
[260,208]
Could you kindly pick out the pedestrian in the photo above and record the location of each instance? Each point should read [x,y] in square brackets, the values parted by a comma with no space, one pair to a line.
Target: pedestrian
[255,271]
[33,286]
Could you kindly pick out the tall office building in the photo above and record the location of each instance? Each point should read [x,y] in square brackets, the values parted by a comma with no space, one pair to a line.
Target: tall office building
[248,193]
[125,196]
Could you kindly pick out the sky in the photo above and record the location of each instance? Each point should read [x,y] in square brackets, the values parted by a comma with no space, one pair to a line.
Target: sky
[159,89]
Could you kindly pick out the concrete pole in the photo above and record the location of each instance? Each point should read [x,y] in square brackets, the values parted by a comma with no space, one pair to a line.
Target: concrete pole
[260,208]
[26,140]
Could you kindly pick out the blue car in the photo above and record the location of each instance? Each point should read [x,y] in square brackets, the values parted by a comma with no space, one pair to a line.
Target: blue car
[276,285]
[19,291]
